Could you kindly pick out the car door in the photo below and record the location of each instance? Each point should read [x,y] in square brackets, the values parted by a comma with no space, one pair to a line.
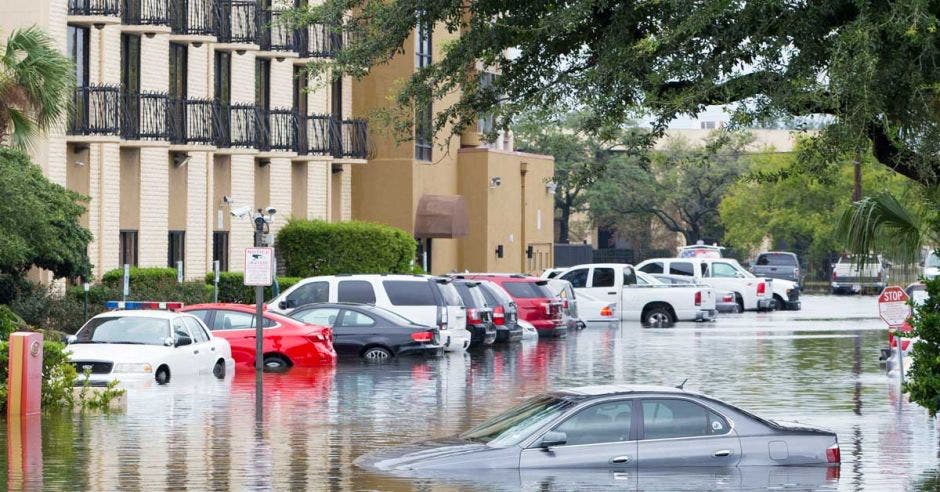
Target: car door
[345,342]
[202,349]
[358,330]
[603,284]
[633,297]
[308,293]
[679,432]
[725,277]
[602,435]
[185,356]
[239,329]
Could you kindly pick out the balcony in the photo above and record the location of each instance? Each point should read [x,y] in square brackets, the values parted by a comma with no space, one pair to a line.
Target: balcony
[275,35]
[237,22]
[318,41]
[315,135]
[282,131]
[241,126]
[353,141]
[146,13]
[94,12]
[145,116]
[96,110]
[194,122]
[193,19]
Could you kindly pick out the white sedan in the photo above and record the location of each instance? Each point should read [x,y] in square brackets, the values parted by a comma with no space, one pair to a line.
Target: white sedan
[147,345]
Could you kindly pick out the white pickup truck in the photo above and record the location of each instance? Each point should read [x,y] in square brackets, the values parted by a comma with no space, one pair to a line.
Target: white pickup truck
[638,296]
[726,275]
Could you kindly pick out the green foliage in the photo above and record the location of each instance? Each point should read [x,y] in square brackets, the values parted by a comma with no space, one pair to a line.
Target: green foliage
[41,225]
[923,379]
[233,289]
[9,322]
[681,186]
[314,247]
[883,224]
[45,306]
[139,277]
[872,67]
[36,82]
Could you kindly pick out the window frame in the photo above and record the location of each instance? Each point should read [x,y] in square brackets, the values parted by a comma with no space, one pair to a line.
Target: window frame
[660,264]
[689,273]
[424,113]
[393,298]
[220,252]
[267,323]
[77,45]
[339,291]
[641,429]
[587,276]
[125,249]
[634,423]
[176,243]
[613,277]
[347,312]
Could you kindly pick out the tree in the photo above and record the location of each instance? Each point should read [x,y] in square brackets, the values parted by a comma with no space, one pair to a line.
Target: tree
[680,186]
[35,84]
[870,67]
[581,155]
[40,227]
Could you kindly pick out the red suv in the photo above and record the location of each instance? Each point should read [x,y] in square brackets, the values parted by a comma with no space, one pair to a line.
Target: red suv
[534,301]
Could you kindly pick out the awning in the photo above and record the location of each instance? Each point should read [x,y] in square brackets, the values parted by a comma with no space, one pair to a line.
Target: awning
[441,216]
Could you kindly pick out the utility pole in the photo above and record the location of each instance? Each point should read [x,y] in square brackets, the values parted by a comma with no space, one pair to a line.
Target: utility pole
[259,325]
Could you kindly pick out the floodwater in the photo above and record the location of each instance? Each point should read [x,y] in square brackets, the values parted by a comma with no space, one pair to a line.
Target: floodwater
[818,366]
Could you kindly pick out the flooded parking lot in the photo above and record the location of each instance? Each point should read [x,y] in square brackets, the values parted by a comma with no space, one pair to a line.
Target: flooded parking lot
[818,366]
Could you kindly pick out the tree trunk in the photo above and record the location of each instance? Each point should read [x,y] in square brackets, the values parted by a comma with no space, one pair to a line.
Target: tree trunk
[563,226]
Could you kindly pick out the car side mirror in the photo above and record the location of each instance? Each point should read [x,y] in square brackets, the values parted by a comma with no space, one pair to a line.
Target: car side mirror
[183,340]
[739,275]
[282,305]
[71,339]
[169,342]
[553,438]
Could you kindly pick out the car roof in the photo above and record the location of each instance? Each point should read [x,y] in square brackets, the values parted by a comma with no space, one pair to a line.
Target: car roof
[777,253]
[499,277]
[599,265]
[616,389]
[374,276]
[141,313]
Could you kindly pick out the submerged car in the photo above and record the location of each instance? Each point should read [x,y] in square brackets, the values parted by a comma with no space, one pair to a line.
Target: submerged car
[618,428]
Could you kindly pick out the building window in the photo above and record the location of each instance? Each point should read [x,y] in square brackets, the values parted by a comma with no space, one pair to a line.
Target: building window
[223,77]
[130,62]
[78,52]
[300,90]
[179,69]
[176,249]
[423,113]
[220,249]
[128,248]
[263,84]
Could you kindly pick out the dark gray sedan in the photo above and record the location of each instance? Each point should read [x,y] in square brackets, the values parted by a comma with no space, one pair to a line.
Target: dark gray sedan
[617,428]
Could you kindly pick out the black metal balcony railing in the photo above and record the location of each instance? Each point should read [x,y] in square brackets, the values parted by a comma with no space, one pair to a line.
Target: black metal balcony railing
[282,130]
[317,131]
[145,116]
[95,7]
[237,21]
[318,41]
[241,126]
[146,12]
[274,34]
[96,110]
[193,17]
[353,140]
[194,121]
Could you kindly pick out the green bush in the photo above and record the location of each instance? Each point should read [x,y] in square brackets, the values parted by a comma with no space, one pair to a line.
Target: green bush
[923,378]
[232,288]
[140,277]
[45,306]
[310,248]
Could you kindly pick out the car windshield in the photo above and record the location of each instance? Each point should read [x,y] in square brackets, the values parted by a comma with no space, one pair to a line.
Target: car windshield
[776,259]
[137,330]
[933,261]
[516,424]
[528,290]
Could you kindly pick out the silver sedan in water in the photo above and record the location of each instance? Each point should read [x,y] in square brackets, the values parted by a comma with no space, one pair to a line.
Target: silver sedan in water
[618,428]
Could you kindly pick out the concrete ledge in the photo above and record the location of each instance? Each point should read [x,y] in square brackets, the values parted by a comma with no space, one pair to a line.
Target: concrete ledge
[145,143]
[236,47]
[93,139]
[93,20]
[276,54]
[146,29]
[191,148]
[191,38]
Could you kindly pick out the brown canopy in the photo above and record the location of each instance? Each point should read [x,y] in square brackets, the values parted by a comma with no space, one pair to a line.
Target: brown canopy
[441,216]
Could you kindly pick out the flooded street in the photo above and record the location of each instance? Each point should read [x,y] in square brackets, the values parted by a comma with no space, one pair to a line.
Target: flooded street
[818,366]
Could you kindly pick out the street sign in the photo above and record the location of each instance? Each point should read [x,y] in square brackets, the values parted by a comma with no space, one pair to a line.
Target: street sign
[259,266]
[892,306]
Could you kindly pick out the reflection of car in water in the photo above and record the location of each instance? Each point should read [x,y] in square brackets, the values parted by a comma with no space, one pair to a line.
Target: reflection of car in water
[619,428]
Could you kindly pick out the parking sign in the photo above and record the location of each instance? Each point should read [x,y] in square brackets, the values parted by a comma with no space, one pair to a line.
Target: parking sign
[259,266]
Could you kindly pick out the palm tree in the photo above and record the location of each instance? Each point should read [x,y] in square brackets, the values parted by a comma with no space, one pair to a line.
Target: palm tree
[36,81]
[881,223]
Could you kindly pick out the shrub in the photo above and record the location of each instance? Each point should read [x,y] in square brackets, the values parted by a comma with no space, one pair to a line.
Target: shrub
[139,278]
[45,306]
[315,247]
[923,379]
[232,288]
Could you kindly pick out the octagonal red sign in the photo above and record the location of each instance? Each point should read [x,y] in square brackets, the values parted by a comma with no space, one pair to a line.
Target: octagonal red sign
[892,306]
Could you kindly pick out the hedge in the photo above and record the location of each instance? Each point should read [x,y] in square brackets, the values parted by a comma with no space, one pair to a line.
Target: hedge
[312,247]
[139,277]
[232,288]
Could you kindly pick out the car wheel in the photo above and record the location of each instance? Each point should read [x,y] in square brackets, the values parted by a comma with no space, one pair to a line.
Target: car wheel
[780,306]
[377,354]
[163,375]
[740,300]
[657,316]
[219,369]
[275,363]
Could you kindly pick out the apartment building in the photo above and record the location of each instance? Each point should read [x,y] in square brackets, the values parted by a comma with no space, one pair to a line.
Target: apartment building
[186,109]
[471,205]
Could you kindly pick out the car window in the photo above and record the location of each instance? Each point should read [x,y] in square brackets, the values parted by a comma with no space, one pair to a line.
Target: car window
[488,296]
[527,290]
[202,314]
[604,422]
[180,330]
[449,293]
[577,278]
[681,268]
[776,259]
[603,277]
[670,418]
[236,320]
[464,290]
[516,424]
[321,316]
[653,267]
[629,277]
[199,336]
[310,293]
[355,318]
[128,329]
[722,270]
[409,292]
[359,291]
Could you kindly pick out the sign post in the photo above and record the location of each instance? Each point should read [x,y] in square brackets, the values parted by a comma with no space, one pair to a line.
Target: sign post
[258,268]
[894,310]
[215,282]
[127,281]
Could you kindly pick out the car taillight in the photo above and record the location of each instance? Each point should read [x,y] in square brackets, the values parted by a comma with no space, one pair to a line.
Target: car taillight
[499,315]
[606,311]
[423,336]
[564,303]
[761,288]
[728,298]
[833,455]
[833,275]
[473,315]
[698,298]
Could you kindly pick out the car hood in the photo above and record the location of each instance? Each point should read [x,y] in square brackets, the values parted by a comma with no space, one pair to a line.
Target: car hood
[439,454]
[117,353]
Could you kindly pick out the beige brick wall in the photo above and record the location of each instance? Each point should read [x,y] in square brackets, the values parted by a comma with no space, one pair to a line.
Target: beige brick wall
[282,83]
[198,218]
[154,62]
[152,235]
[279,195]
[346,193]
[243,190]
[104,62]
[104,219]
[318,183]
[199,75]
[243,77]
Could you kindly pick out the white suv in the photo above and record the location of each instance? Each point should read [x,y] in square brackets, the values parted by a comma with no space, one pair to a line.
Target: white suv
[424,299]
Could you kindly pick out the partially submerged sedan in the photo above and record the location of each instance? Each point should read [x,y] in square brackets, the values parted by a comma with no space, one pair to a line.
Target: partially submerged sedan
[618,428]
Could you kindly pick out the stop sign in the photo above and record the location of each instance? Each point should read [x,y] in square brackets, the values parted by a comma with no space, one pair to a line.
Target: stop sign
[892,306]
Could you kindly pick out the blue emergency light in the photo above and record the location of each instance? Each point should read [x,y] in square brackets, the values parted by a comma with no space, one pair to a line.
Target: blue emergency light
[129,305]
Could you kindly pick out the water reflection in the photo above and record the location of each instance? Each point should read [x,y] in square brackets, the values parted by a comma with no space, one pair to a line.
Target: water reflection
[818,366]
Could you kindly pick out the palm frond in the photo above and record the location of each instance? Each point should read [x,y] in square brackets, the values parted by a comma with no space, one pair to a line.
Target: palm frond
[881,224]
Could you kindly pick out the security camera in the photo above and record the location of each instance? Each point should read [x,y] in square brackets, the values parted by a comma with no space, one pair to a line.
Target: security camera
[227,199]
[270,210]
[495,181]
[241,212]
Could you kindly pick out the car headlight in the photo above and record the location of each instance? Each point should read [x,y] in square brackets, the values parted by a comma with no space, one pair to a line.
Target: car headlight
[142,368]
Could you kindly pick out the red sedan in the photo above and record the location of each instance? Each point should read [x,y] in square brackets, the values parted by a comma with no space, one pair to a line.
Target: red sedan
[287,342]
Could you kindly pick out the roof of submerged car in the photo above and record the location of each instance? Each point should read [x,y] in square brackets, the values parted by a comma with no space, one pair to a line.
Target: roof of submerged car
[616,389]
